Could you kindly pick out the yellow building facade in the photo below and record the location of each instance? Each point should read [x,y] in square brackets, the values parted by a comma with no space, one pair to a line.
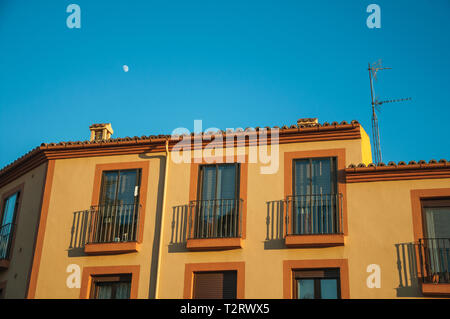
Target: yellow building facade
[264,213]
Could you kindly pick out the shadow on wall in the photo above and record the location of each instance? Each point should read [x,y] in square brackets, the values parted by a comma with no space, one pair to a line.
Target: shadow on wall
[275,225]
[407,257]
[179,236]
[79,233]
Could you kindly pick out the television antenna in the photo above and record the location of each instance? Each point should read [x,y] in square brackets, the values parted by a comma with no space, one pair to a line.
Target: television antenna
[376,106]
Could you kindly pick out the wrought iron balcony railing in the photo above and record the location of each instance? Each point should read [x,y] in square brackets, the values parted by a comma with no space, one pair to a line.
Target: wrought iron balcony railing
[218,218]
[6,232]
[434,254]
[314,214]
[113,223]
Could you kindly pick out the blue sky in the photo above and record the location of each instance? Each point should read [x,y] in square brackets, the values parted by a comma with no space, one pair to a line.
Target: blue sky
[229,63]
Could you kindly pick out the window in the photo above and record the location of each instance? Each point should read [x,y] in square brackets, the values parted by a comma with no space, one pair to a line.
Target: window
[215,285]
[316,284]
[111,287]
[218,205]
[436,244]
[315,176]
[110,282]
[120,187]
[8,216]
[117,212]
[315,202]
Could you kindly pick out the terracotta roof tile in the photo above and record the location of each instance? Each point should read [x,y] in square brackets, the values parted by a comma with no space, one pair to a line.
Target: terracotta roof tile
[151,138]
[412,164]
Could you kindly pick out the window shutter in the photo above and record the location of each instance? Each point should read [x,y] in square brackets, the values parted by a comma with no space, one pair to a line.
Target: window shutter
[317,273]
[215,285]
[230,285]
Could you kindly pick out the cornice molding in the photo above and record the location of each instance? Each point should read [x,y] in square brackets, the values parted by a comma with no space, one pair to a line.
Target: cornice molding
[156,144]
[395,172]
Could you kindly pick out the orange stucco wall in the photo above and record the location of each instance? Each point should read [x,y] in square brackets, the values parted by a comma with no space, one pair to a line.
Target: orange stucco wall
[71,192]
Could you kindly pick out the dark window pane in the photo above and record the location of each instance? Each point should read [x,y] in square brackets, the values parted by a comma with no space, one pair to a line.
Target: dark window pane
[119,187]
[315,176]
[218,182]
[209,182]
[317,283]
[226,182]
[315,202]
[128,180]
[438,222]
[123,290]
[118,206]
[117,287]
[302,177]
[329,288]
[9,209]
[305,289]
[108,195]
[229,285]
[7,224]
[104,290]
[321,176]
[217,209]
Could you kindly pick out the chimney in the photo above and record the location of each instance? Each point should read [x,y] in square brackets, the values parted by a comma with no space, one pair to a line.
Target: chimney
[101,132]
[308,122]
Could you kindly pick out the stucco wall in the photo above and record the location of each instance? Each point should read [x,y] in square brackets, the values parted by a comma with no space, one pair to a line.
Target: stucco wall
[72,192]
[18,272]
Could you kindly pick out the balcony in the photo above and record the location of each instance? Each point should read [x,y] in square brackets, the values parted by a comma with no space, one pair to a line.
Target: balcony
[113,229]
[215,224]
[6,232]
[307,220]
[434,256]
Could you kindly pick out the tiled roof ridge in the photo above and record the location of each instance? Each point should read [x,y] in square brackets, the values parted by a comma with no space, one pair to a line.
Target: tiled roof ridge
[401,164]
[144,138]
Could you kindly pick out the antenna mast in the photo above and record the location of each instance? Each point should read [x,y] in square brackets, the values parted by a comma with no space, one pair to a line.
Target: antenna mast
[373,69]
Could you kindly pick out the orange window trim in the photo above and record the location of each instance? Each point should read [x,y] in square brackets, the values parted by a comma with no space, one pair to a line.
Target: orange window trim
[144,166]
[339,153]
[243,160]
[111,248]
[214,244]
[89,272]
[328,240]
[190,269]
[417,195]
[289,266]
